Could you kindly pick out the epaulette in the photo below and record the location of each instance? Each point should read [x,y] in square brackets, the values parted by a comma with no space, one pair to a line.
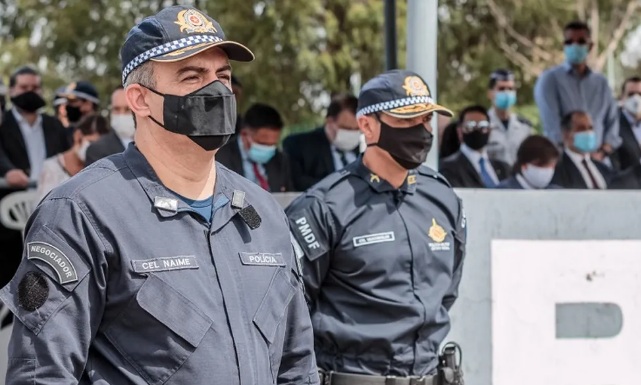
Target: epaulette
[428,172]
[523,120]
[328,182]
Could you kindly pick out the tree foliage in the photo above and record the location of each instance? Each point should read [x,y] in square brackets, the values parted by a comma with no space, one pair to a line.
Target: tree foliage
[307,49]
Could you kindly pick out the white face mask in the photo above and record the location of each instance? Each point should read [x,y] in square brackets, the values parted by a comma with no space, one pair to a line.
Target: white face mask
[538,177]
[347,140]
[82,150]
[633,105]
[123,125]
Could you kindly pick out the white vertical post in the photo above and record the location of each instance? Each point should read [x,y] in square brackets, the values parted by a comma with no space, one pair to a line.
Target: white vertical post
[422,30]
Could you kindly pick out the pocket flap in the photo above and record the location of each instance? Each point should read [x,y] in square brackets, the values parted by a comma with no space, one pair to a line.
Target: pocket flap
[272,309]
[173,310]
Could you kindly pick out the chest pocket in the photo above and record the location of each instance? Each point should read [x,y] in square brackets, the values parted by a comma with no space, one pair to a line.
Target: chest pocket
[155,341]
[269,318]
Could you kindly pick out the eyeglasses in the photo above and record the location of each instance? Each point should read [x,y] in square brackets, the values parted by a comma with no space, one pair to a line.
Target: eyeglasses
[580,42]
[505,88]
[472,125]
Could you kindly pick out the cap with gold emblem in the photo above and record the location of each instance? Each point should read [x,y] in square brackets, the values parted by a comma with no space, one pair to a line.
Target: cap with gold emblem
[173,34]
[81,90]
[400,93]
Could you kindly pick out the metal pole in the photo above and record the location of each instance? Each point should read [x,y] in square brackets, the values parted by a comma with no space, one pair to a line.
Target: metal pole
[422,30]
[390,35]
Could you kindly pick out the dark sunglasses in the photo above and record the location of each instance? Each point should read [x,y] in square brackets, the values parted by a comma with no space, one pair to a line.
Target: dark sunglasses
[580,42]
[472,125]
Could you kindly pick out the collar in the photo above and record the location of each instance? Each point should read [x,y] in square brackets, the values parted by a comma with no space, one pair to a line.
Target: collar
[570,69]
[577,157]
[379,184]
[20,119]
[164,201]
[241,148]
[631,119]
[474,156]
[494,118]
[523,182]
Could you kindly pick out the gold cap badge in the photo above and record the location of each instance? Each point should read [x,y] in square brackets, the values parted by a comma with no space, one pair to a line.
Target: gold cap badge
[414,86]
[192,21]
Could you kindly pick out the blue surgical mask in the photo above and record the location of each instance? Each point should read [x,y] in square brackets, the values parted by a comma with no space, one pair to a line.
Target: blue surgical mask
[585,141]
[261,153]
[576,53]
[503,100]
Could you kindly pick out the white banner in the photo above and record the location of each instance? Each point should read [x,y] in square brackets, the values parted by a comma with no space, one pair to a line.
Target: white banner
[566,312]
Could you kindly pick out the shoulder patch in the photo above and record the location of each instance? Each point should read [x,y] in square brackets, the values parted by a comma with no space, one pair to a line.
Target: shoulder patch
[55,258]
[309,236]
[523,120]
[33,291]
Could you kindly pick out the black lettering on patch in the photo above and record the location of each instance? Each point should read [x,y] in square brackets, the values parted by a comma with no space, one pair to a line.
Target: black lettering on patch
[55,258]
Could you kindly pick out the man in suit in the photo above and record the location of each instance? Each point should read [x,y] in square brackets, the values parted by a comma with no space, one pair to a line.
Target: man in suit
[123,129]
[314,155]
[629,154]
[3,99]
[629,179]
[254,153]
[470,166]
[576,169]
[27,138]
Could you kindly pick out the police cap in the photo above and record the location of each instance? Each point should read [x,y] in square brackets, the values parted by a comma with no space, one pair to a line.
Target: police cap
[173,34]
[400,93]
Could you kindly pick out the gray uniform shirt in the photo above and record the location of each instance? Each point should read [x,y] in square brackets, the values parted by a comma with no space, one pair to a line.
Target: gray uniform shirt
[122,283]
[381,268]
[504,141]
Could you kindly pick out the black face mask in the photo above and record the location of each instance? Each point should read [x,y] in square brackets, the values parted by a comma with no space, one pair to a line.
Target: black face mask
[407,146]
[73,113]
[28,101]
[207,116]
[476,139]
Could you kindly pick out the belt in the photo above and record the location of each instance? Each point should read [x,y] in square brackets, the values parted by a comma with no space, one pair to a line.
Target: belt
[335,378]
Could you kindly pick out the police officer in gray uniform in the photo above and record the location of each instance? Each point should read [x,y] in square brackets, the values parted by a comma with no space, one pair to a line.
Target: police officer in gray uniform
[159,265]
[381,245]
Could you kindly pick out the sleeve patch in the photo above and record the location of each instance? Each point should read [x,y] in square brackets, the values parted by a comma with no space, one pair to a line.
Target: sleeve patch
[56,259]
[310,238]
[33,291]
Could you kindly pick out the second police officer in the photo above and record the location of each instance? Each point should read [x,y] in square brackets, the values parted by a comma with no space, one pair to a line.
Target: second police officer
[381,244]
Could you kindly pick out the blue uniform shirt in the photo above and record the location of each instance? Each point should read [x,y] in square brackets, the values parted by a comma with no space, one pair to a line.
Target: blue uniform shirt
[381,268]
[121,283]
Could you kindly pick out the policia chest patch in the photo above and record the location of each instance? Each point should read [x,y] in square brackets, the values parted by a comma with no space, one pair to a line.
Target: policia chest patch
[55,258]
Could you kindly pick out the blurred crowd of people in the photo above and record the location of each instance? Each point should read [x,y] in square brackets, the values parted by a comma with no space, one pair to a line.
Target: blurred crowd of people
[591,140]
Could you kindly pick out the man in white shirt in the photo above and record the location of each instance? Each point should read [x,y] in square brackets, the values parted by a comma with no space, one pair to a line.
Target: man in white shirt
[471,166]
[123,129]
[27,138]
[576,169]
[509,130]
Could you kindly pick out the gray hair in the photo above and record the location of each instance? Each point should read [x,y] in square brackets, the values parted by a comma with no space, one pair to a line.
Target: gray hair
[143,75]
